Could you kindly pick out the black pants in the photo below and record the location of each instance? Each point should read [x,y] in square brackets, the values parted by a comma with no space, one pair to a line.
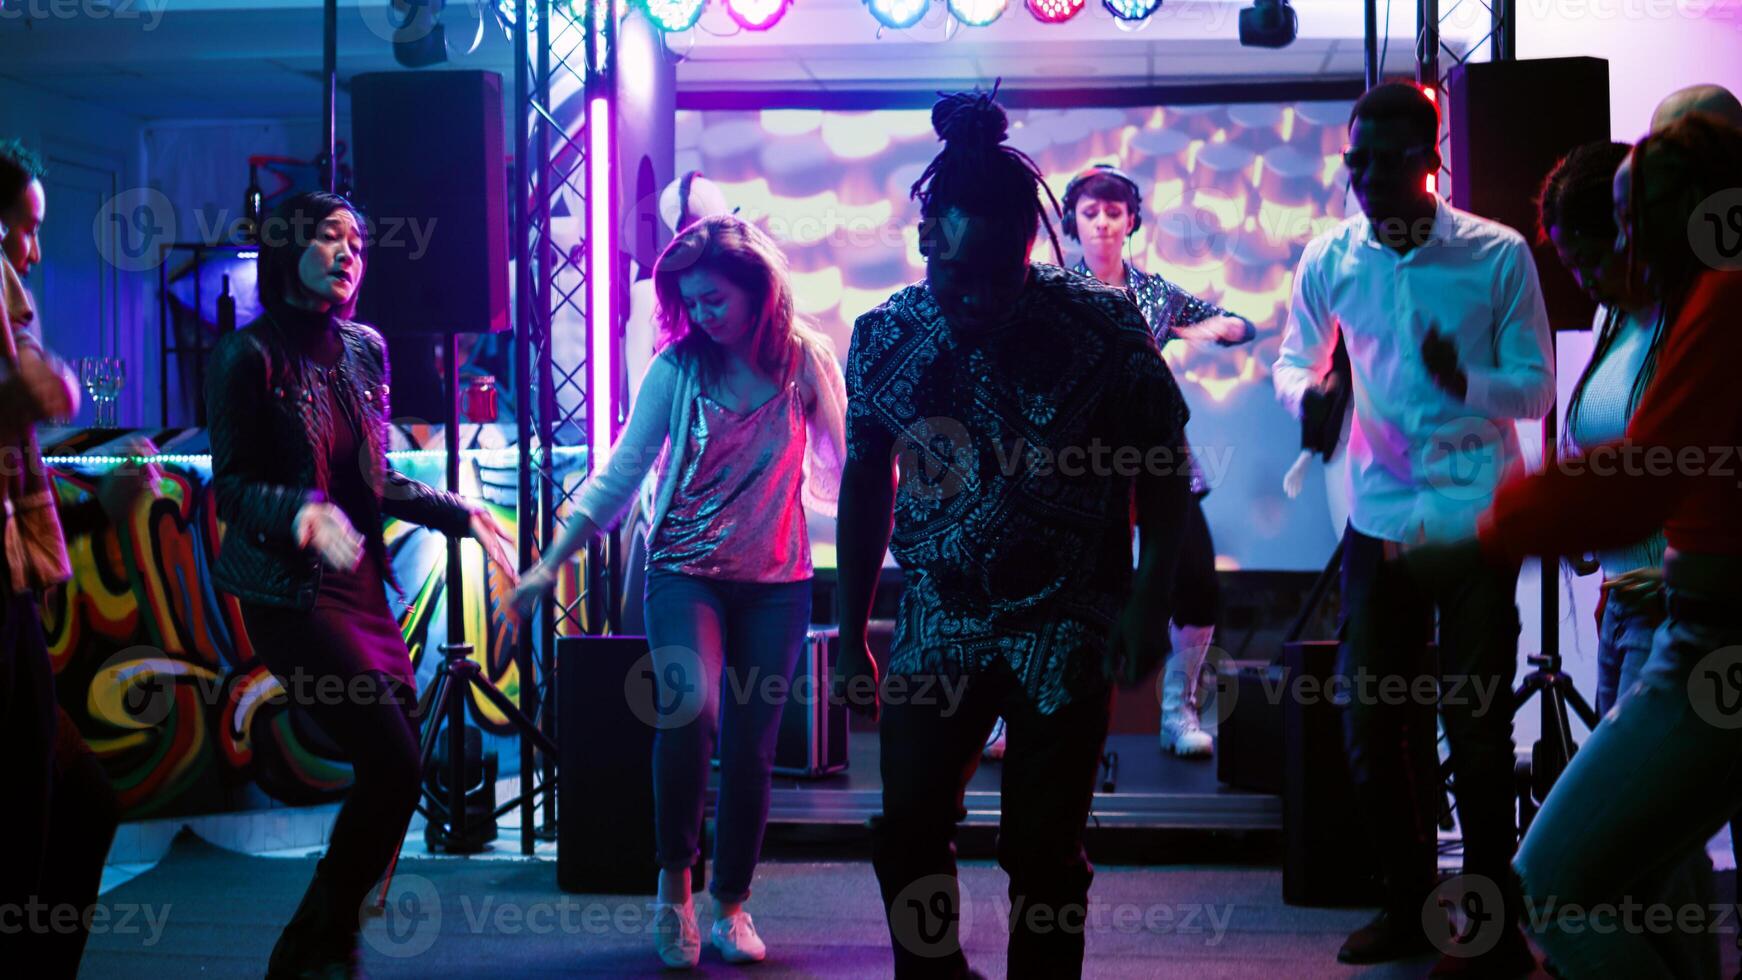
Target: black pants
[1392,741]
[379,736]
[1197,592]
[60,815]
[928,753]
[27,735]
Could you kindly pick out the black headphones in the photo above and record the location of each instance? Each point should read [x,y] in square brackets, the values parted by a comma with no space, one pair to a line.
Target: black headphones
[1074,190]
[684,217]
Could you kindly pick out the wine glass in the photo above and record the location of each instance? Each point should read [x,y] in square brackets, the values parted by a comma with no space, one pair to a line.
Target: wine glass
[88,378]
[111,377]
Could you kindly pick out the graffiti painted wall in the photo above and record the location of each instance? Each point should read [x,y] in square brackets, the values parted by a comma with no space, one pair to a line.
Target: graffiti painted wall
[155,668]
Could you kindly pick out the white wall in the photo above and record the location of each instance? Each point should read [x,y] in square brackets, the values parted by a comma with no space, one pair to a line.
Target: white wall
[88,305]
[1654,47]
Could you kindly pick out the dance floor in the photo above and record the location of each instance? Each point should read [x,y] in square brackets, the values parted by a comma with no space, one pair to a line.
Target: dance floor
[208,912]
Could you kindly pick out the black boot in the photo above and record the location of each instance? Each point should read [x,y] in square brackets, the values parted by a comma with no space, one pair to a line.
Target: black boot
[320,941]
[296,950]
[1392,935]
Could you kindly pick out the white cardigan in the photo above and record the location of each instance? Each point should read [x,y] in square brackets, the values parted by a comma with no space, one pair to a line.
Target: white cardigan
[660,423]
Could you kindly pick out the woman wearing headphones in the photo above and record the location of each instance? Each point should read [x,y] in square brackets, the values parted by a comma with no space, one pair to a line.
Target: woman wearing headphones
[1103,208]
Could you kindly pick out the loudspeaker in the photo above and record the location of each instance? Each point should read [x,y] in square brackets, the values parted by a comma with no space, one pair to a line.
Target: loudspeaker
[1326,859]
[431,183]
[1511,122]
[605,700]
[1249,738]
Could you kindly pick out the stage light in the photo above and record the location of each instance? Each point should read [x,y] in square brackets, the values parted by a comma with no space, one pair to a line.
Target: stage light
[898,14]
[1131,9]
[757,15]
[1268,24]
[674,15]
[601,150]
[1433,179]
[1054,11]
[978,13]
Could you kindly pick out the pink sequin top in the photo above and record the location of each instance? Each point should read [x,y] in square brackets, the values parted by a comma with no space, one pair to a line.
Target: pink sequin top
[735,513]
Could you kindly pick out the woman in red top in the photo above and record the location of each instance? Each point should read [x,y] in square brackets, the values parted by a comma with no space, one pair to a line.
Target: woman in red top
[1593,854]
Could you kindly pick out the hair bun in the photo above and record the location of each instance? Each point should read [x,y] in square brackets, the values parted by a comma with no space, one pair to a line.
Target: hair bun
[970,118]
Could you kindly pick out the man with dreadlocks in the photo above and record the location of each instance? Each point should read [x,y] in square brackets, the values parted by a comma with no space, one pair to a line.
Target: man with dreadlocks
[1021,464]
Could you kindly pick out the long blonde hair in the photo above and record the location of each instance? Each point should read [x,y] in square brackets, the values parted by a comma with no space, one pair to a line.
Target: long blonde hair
[750,260]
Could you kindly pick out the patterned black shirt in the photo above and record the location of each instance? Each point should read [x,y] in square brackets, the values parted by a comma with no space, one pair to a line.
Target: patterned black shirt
[1164,304]
[1019,451]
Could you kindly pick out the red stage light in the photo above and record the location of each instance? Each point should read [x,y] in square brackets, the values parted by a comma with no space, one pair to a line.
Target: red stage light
[1054,11]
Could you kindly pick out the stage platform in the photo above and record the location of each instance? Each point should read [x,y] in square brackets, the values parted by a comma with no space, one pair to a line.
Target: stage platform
[1153,790]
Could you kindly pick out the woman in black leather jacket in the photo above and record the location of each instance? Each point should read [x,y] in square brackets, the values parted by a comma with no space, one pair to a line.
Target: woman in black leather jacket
[298,408]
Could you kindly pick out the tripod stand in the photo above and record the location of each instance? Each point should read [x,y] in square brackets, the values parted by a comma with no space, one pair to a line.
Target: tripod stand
[457,676]
[1554,747]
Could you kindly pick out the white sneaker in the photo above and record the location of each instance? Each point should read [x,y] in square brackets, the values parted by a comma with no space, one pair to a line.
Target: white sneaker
[676,938]
[994,749]
[736,939]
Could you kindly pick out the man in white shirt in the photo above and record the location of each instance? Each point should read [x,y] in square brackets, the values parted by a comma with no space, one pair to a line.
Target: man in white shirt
[1449,343]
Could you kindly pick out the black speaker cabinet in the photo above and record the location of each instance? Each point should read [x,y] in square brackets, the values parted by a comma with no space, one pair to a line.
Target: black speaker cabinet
[605,839]
[1326,859]
[1510,123]
[431,182]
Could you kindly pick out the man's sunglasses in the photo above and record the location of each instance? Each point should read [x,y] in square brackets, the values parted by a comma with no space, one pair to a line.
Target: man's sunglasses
[1360,158]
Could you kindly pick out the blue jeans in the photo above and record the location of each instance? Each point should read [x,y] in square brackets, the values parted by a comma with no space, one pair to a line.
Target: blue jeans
[1653,783]
[724,654]
[1623,645]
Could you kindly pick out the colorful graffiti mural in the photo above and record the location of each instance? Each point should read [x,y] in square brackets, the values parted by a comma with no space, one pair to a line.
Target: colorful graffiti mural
[155,666]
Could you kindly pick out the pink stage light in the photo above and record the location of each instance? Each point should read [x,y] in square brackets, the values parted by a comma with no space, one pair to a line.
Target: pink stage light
[1054,11]
[757,15]
[1433,180]
[601,316]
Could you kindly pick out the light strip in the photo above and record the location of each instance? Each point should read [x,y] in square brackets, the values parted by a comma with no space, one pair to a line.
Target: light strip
[600,315]
[508,455]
